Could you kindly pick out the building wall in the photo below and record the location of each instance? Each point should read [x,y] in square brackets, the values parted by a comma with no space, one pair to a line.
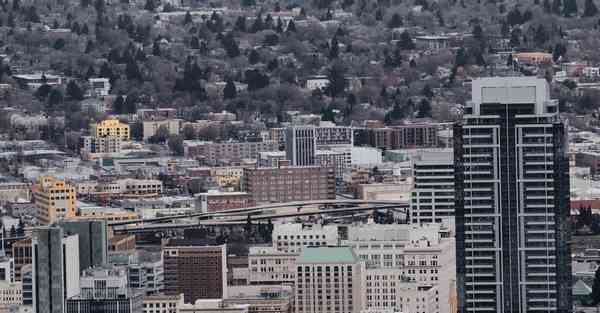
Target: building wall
[150,127]
[285,184]
[227,152]
[301,145]
[10,192]
[292,238]
[111,128]
[267,265]
[199,272]
[55,200]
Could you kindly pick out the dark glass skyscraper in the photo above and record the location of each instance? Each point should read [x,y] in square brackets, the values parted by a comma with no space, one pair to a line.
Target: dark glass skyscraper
[512,200]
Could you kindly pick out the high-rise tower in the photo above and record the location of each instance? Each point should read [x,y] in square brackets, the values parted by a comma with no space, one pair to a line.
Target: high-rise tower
[512,200]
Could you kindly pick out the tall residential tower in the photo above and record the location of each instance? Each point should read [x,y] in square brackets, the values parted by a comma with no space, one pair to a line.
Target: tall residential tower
[512,200]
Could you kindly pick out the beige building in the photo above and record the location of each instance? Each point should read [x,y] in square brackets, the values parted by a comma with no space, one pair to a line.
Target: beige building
[11,294]
[151,127]
[328,280]
[110,128]
[55,199]
[228,176]
[132,186]
[261,298]
[267,265]
[11,192]
[293,237]
[161,303]
[92,147]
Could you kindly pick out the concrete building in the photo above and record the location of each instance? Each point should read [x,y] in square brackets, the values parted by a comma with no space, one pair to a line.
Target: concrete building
[160,303]
[265,298]
[55,269]
[34,81]
[157,114]
[269,266]
[92,147]
[55,200]
[403,263]
[21,254]
[99,87]
[14,191]
[418,135]
[110,128]
[272,159]
[92,241]
[328,280]
[213,153]
[334,136]
[199,272]
[300,145]
[293,237]
[285,184]
[212,306]
[589,159]
[151,127]
[145,272]
[432,199]
[215,201]
[132,186]
[104,290]
[339,160]
[512,203]
[11,295]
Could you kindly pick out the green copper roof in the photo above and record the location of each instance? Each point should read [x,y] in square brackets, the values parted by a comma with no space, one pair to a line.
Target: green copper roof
[327,255]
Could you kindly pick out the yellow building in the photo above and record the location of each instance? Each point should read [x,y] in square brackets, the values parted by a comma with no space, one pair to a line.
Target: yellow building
[54,198]
[111,127]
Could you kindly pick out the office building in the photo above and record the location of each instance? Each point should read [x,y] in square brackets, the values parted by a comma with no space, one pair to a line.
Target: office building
[300,145]
[432,199]
[285,184]
[512,200]
[417,135]
[161,303]
[405,264]
[21,254]
[150,128]
[90,146]
[215,201]
[199,272]
[55,200]
[269,266]
[328,280]
[213,153]
[334,136]
[92,241]
[27,284]
[212,306]
[55,267]
[111,128]
[104,290]
[293,237]
[265,298]
[14,191]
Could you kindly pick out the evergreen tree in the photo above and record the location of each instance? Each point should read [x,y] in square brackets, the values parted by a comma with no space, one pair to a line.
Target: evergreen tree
[337,80]
[132,71]
[514,17]
[279,27]
[569,8]
[424,108]
[230,46]
[590,8]
[395,21]
[119,105]
[253,57]
[195,43]
[477,32]
[150,5]
[230,92]
[156,49]
[334,51]
[547,6]
[240,24]
[73,90]
[405,42]
[556,6]
[90,72]
[291,27]
[188,18]
[540,36]
[461,57]
[427,92]
[89,47]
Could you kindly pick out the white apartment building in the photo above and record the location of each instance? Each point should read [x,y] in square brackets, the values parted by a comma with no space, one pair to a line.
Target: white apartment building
[11,294]
[267,265]
[151,127]
[293,237]
[99,87]
[328,280]
[103,283]
[11,192]
[432,200]
[395,255]
[387,290]
[90,146]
